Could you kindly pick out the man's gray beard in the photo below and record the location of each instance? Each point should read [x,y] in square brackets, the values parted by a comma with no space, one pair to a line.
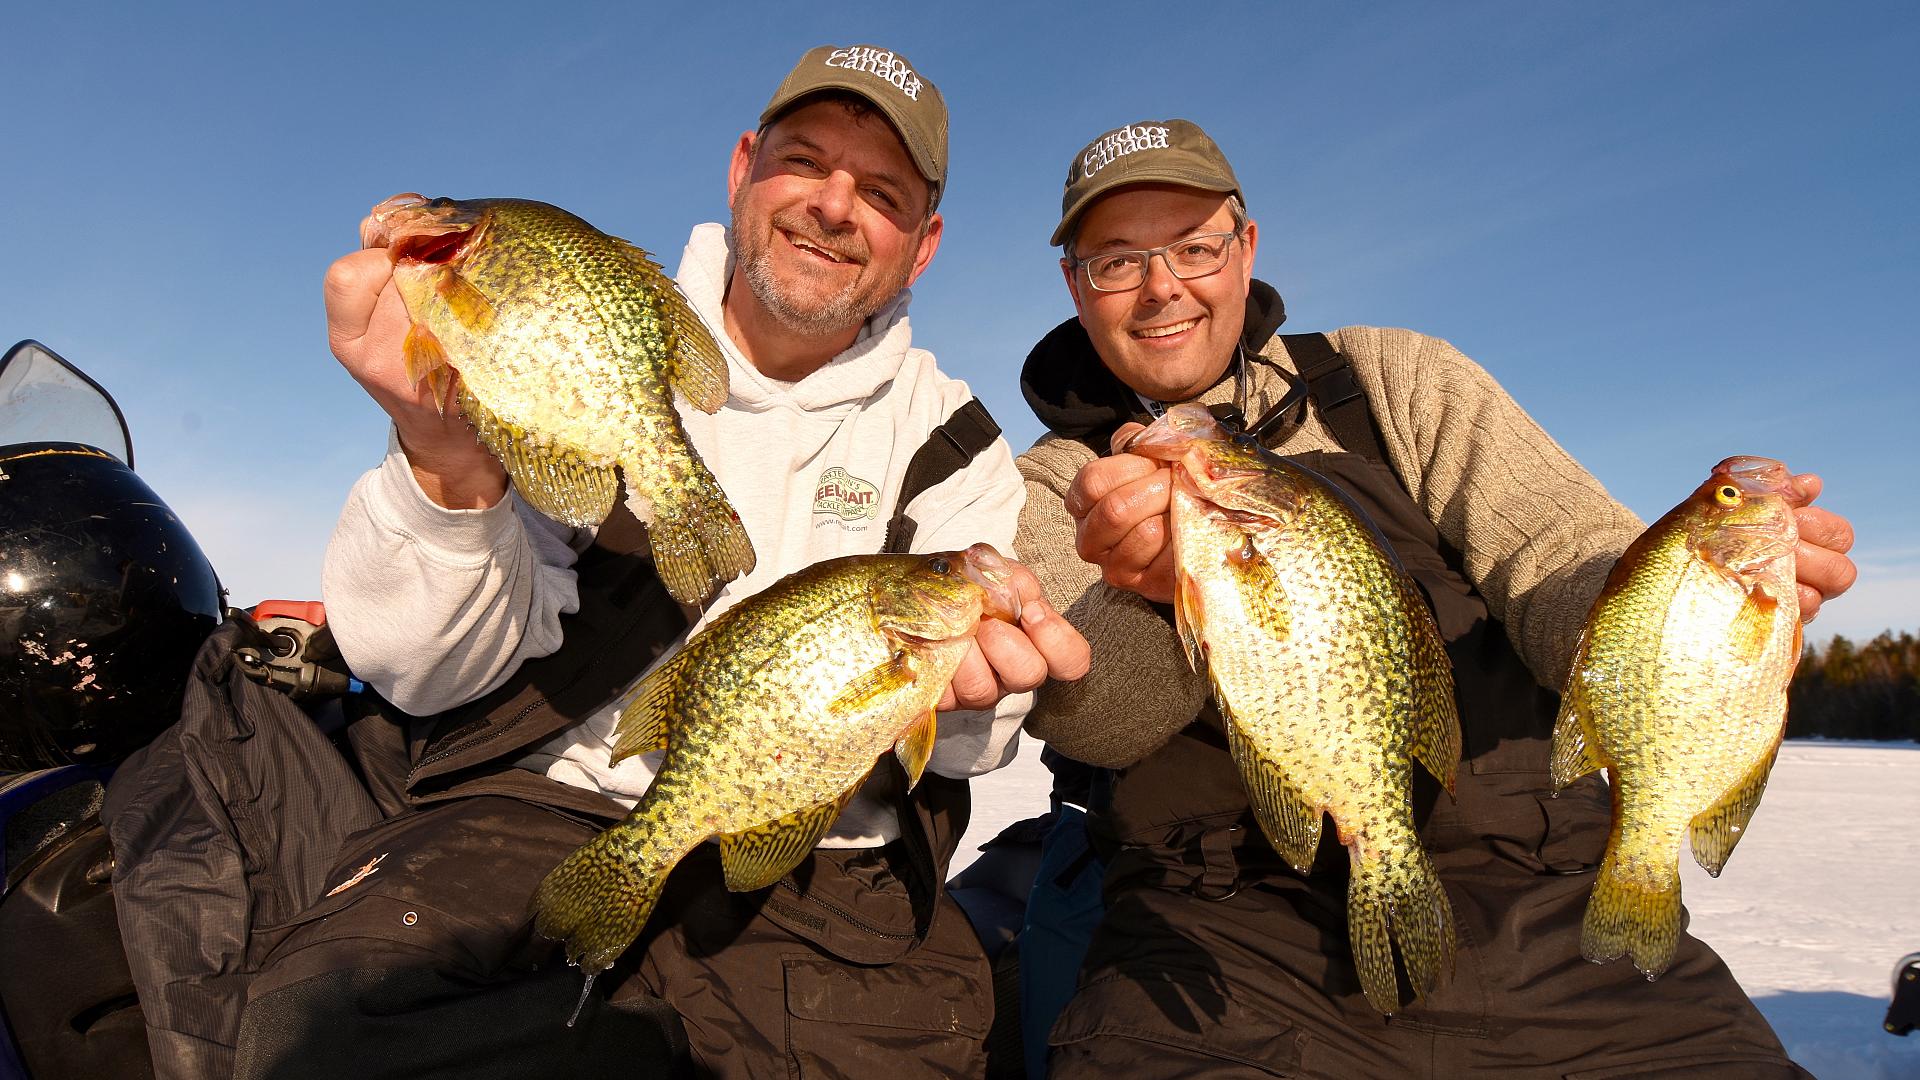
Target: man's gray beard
[841,312]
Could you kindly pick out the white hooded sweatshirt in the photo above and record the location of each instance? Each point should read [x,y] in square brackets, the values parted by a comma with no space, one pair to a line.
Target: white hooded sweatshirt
[436,607]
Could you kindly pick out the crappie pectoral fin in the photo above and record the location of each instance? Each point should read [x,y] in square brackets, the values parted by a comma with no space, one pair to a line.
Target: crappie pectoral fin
[1752,628]
[696,537]
[756,858]
[915,747]
[1436,718]
[1575,751]
[1260,590]
[869,689]
[699,369]
[1291,824]
[1633,916]
[597,900]
[1397,897]
[1187,608]
[1717,829]
[552,479]
[468,305]
[424,358]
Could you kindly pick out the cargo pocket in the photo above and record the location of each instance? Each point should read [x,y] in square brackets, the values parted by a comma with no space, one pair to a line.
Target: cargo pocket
[1574,835]
[911,1018]
[1169,1027]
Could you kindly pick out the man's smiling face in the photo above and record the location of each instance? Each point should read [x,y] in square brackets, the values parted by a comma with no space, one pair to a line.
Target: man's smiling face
[1167,339]
[830,217]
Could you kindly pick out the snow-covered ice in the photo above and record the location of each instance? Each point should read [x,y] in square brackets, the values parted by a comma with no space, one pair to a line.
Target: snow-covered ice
[1816,905]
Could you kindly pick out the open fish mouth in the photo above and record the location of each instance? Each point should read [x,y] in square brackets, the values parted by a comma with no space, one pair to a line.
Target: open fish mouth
[1169,437]
[1761,476]
[414,228]
[985,568]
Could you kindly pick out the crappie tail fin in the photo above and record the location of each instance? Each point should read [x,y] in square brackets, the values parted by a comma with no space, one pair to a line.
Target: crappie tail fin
[1633,915]
[1399,898]
[595,903]
[697,538]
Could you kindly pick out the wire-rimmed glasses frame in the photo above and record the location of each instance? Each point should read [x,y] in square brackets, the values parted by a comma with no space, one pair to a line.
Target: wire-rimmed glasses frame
[1186,258]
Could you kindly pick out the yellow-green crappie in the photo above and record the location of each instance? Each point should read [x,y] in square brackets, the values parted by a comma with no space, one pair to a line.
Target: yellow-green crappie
[1679,690]
[772,717]
[568,345]
[1330,673]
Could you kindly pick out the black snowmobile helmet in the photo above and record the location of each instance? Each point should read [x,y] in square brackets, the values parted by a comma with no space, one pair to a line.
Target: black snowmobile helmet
[104,600]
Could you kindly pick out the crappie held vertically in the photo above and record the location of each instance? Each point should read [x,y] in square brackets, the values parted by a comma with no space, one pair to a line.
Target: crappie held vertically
[568,345]
[771,718]
[1330,673]
[1679,690]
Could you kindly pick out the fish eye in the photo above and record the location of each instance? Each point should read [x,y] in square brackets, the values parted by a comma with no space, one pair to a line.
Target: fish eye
[1727,495]
[939,565]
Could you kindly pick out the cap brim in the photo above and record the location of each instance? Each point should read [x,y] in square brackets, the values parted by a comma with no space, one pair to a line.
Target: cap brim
[922,156]
[1150,174]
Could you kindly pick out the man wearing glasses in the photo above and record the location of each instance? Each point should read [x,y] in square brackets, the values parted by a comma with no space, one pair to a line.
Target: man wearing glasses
[1212,955]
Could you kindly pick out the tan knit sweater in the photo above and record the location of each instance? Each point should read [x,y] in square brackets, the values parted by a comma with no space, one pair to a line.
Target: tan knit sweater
[1538,532]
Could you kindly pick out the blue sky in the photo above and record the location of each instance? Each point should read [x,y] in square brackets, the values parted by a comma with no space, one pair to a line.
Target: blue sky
[1673,231]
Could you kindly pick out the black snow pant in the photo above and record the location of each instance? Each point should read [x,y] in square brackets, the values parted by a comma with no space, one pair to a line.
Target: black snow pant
[422,963]
[1206,966]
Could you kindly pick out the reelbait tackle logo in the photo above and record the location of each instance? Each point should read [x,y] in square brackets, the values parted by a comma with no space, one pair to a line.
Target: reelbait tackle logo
[880,63]
[359,875]
[845,496]
[1118,144]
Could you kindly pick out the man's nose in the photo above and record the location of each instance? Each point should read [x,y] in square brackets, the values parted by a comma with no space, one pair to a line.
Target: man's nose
[833,199]
[1160,285]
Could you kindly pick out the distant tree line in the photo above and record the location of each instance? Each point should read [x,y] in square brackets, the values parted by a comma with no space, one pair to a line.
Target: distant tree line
[1848,691]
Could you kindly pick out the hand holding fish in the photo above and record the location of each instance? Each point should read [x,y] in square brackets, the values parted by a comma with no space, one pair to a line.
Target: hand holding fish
[1119,506]
[1824,571]
[1012,658]
[366,323]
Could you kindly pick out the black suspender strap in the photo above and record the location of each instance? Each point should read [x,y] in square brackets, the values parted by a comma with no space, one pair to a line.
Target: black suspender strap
[1336,394]
[947,450]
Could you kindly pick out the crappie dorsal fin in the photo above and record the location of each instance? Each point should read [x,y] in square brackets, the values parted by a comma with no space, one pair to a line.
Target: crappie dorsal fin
[1435,732]
[643,726]
[915,747]
[1720,826]
[756,858]
[698,368]
[552,479]
[1575,746]
[869,689]
[1291,824]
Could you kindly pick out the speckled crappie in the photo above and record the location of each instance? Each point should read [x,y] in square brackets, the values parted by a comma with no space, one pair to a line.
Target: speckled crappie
[1329,672]
[567,345]
[1679,690]
[771,718]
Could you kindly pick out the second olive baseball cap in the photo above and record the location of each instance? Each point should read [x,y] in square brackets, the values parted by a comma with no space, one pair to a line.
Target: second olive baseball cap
[1150,151]
[905,96]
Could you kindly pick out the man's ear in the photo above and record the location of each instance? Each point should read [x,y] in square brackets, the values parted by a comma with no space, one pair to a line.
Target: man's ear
[929,243]
[740,166]
[1251,235]
[1073,280]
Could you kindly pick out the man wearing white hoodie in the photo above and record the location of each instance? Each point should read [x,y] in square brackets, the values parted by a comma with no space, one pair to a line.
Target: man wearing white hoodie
[505,636]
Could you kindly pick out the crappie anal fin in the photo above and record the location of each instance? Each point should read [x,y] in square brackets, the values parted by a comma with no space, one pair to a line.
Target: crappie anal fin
[1291,824]
[756,858]
[552,479]
[915,747]
[870,688]
[1719,827]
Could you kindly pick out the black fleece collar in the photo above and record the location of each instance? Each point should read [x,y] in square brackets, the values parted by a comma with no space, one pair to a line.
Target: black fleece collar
[1075,395]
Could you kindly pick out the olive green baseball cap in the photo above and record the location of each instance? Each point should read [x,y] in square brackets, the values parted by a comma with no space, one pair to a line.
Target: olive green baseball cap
[903,95]
[1146,152]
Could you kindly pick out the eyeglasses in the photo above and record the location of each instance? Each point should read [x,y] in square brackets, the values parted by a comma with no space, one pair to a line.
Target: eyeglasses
[1192,257]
